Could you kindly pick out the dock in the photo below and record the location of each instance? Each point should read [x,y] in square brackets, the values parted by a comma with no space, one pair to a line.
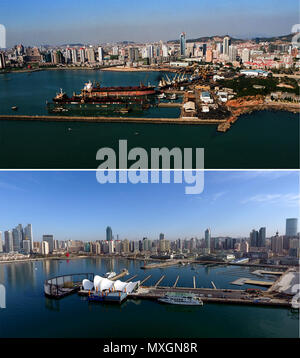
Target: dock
[61,286]
[120,275]
[210,295]
[175,284]
[242,281]
[169,104]
[159,281]
[103,119]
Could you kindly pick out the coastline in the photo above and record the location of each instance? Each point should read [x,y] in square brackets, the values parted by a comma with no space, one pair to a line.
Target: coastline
[105,68]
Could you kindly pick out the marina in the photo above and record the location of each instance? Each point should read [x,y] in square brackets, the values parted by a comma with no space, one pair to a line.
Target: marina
[108,291]
[136,307]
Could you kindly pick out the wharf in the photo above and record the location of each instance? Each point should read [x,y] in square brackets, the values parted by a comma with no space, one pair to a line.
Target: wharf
[169,104]
[210,295]
[242,281]
[103,119]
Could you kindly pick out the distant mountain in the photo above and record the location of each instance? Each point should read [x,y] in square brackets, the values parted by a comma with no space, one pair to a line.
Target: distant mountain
[285,38]
[73,45]
[207,38]
[125,42]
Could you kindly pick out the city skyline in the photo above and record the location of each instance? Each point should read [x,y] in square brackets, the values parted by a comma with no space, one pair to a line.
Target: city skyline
[142,22]
[75,206]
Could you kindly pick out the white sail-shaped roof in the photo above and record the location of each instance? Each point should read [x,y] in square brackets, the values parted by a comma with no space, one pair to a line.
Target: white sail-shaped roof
[119,285]
[131,286]
[97,280]
[87,284]
[106,284]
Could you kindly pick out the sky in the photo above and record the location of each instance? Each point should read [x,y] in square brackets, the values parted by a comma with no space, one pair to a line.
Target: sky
[74,205]
[57,22]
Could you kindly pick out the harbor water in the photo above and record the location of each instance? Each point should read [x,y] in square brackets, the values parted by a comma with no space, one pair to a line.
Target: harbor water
[29,313]
[266,139]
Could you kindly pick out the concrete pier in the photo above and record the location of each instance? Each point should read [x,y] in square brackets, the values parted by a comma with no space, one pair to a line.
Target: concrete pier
[175,284]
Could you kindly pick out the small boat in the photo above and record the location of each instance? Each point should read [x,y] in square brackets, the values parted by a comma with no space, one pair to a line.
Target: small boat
[14,108]
[173,96]
[185,299]
[161,96]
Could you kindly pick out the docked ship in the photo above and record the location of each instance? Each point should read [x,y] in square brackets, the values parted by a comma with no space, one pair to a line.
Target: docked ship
[186,299]
[104,100]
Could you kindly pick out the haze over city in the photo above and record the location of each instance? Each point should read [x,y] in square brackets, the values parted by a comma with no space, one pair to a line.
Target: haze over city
[57,22]
[73,205]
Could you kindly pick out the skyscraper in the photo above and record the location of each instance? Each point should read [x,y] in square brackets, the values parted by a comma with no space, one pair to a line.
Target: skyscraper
[254,238]
[207,240]
[50,241]
[261,237]
[232,53]
[28,235]
[17,239]
[226,44]
[109,235]
[291,227]
[100,54]
[182,44]
[8,241]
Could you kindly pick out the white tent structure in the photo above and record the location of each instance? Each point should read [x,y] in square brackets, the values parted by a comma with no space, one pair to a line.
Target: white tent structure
[106,284]
[87,285]
[131,286]
[101,284]
[97,280]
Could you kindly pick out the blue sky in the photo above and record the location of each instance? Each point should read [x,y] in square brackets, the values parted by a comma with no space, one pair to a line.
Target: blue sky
[94,21]
[74,205]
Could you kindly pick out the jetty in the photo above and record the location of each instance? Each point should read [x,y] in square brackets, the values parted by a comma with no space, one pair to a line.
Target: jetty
[104,119]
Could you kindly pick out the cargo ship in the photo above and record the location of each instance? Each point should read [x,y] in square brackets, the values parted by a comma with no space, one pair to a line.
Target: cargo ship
[105,100]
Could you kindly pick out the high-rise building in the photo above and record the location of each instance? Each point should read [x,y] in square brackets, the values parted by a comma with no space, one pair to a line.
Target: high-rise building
[91,55]
[49,239]
[244,246]
[161,236]
[209,55]
[182,44]
[261,237]
[207,236]
[17,239]
[74,55]
[291,227]
[82,57]
[100,54]
[277,244]
[245,55]
[28,235]
[232,53]
[45,248]
[109,235]
[26,247]
[125,246]
[111,247]
[9,247]
[254,238]
[226,44]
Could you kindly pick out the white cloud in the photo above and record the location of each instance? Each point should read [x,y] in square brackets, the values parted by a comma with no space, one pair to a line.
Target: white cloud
[282,199]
